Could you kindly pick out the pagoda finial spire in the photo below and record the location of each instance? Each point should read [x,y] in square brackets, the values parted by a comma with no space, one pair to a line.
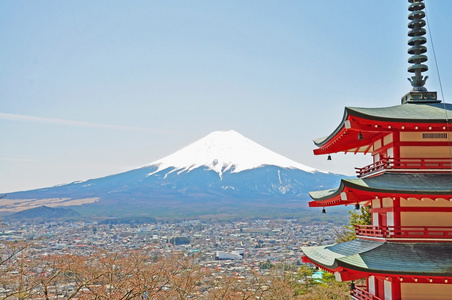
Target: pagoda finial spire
[416,43]
[417,51]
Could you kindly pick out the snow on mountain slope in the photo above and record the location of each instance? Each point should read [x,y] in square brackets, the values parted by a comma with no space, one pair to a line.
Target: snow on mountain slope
[223,172]
[223,151]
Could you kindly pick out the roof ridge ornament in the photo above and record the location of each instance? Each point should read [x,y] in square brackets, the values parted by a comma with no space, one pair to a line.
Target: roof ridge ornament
[417,50]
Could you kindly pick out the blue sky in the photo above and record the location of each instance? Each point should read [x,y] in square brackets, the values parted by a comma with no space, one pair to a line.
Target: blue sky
[92,88]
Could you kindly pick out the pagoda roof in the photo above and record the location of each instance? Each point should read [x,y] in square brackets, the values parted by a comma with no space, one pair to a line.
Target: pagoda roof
[375,120]
[421,259]
[427,112]
[389,184]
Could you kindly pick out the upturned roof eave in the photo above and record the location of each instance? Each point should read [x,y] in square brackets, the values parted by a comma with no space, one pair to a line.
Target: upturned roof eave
[396,115]
[344,266]
[330,197]
[393,258]
[322,141]
[328,194]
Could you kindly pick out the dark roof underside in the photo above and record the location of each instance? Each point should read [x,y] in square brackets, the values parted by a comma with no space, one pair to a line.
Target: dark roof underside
[398,183]
[423,259]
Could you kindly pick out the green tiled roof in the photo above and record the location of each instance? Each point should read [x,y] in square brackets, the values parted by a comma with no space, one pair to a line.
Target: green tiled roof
[325,194]
[424,113]
[403,183]
[428,259]
[431,112]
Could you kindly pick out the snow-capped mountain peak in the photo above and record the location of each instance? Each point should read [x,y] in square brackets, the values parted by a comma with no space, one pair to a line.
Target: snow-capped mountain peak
[271,183]
[223,151]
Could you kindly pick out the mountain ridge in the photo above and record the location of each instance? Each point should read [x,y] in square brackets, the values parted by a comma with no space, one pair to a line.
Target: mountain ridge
[223,171]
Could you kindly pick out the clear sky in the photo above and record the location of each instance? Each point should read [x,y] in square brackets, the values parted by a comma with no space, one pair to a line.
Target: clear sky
[93,88]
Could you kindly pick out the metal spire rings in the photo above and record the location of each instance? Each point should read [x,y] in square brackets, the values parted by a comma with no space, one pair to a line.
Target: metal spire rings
[416,43]
[417,50]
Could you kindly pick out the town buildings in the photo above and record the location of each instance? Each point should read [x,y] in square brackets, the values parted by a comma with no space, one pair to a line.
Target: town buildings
[265,244]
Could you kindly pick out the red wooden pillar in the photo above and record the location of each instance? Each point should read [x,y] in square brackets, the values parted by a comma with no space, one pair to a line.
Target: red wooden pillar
[396,145]
[380,287]
[396,289]
[396,207]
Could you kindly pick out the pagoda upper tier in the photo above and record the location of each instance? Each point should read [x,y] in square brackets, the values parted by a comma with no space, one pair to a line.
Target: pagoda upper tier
[363,130]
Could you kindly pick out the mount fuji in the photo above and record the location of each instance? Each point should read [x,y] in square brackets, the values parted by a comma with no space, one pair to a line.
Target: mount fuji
[222,173]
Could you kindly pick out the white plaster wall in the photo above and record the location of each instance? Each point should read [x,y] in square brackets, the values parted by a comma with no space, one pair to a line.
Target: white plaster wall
[388,290]
[375,221]
[371,284]
[390,218]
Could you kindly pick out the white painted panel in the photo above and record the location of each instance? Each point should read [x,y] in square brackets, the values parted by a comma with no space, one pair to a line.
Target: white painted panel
[388,290]
[390,218]
[371,285]
[391,152]
[375,221]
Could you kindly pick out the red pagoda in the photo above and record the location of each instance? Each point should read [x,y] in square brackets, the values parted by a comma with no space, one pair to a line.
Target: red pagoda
[407,251]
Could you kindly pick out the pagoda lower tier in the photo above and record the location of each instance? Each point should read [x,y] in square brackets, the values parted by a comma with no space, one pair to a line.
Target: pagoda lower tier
[393,270]
[406,253]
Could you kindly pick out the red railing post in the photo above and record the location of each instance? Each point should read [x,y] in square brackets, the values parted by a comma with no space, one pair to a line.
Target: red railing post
[405,163]
[414,232]
[361,294]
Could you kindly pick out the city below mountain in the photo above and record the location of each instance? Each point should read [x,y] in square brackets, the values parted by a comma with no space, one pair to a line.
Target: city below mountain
[223,174]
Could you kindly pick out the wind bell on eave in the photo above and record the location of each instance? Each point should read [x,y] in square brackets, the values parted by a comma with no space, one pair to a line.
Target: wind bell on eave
[417,50]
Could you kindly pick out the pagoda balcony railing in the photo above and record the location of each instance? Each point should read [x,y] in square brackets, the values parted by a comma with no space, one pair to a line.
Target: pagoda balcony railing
[359,293]
[404,232]
[421,164]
